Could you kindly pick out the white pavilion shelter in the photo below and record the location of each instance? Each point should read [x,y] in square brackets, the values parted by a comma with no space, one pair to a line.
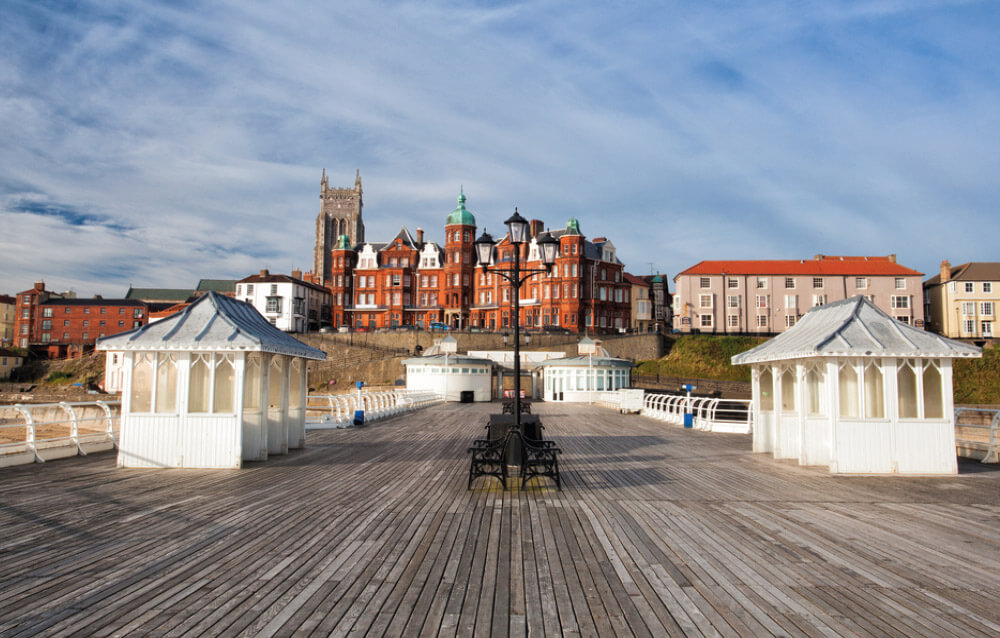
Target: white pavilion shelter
[210,387]
[851,388]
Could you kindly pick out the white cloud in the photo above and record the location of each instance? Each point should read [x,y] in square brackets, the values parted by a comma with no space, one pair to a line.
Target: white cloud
[683,132]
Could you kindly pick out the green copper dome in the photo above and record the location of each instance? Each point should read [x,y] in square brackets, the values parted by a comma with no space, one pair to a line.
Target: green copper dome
[572,227]
[342,243]
[461,216]
[658,279]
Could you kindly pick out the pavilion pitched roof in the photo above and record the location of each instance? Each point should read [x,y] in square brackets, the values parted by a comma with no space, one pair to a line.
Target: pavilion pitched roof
[213,322]
[854,327]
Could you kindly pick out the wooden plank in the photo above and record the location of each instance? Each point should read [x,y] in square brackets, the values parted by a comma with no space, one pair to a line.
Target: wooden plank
[658,531]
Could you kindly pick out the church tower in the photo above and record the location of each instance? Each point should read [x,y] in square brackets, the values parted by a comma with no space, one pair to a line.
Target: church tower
[339,214]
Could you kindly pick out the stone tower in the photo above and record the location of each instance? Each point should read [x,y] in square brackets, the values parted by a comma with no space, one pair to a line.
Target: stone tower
[339,214]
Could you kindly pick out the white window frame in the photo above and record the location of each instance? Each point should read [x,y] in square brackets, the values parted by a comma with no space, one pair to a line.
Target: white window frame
[900,283]
[861,283]
[706,301]
[986,308]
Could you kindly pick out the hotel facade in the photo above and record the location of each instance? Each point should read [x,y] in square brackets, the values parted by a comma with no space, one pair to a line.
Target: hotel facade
[408,281]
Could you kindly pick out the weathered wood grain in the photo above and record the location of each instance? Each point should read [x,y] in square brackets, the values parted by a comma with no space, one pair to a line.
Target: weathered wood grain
[371,531]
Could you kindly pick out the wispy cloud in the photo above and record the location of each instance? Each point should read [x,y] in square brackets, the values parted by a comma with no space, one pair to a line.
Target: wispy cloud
[158,143]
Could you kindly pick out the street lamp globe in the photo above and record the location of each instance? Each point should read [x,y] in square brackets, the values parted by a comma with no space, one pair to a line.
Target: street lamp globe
[548,245]
[484,249]
[518,227]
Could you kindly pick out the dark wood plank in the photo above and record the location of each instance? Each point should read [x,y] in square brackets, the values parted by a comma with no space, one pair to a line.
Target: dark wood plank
[658,531]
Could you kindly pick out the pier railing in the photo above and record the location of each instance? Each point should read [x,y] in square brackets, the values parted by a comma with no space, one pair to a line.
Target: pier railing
[40,429]
[338,410]
[977,433]
[707,413]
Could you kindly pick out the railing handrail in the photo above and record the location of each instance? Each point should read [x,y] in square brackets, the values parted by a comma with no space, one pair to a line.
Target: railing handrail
[992,445]
[70,417]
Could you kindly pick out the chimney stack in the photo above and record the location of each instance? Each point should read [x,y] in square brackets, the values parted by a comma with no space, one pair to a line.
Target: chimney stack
[296,273]
[537,226]
[945,271]
[39,285]
[264,272]
[892,258]
[420,237]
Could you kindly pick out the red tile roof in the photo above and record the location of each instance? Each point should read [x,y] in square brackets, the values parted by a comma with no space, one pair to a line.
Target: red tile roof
[636,281]
[819,265]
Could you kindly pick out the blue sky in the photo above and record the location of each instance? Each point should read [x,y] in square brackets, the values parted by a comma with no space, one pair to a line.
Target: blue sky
[155,144]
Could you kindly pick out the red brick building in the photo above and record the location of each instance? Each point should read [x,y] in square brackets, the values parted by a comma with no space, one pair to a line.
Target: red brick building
[62,326]
[410,282]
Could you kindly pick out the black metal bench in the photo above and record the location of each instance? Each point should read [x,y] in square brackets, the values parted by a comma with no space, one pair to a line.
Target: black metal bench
[539,458]
[507,406]
[505,445]
[489,458]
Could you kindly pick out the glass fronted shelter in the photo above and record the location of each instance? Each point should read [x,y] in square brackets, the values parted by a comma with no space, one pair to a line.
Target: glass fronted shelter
[851,388]
[210,387]
[582,378]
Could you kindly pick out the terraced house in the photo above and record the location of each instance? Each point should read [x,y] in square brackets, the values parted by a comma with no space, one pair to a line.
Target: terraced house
[769,296]
[961,301]
[60,325]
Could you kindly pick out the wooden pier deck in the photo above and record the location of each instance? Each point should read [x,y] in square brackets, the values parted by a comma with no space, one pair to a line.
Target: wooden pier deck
[371,531]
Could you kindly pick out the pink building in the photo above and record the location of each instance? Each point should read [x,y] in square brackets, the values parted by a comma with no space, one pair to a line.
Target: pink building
[769,296]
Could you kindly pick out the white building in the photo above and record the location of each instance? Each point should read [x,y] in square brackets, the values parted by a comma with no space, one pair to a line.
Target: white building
[210,387]
[582,378]
[287,302]
[450,375]
[850,388]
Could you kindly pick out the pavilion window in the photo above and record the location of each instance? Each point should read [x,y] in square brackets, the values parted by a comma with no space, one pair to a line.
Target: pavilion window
[814,391]
[906,390]
[933,395]
[166,384]
[251,384]
[201,376]
[295,383]
[788,390]
[874,392]
[274,398]
[847,382]
[766,390]
[224,384]
[142,382]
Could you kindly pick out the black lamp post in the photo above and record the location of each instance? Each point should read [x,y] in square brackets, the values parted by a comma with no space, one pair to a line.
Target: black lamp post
[517,228]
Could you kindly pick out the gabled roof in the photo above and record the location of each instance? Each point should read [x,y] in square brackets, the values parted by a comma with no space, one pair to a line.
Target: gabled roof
[212,323]
[175,295]
[637,281]
[971,271]
[268,278]
[218,285]
[404,235]
[854,327]
[819,265]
